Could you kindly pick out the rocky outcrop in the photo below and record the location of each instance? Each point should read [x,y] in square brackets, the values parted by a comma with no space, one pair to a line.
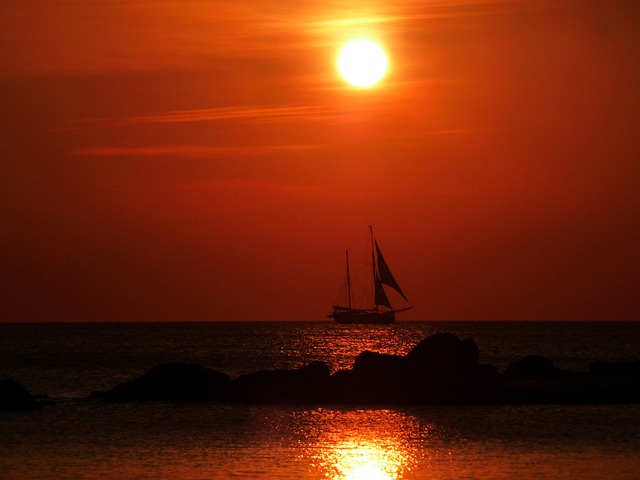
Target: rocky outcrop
[535,380]
[445,369]
[376,378]
[182,382]
[618,369]
[533,367]
[440,369]
[14,396]
[308,384]
[445,351]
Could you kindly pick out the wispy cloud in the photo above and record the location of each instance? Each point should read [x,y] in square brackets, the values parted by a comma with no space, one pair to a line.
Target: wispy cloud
[76,36]
[246,113]
[191,151]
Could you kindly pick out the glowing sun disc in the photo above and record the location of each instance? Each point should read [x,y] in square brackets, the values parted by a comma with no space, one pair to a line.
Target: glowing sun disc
[362,63]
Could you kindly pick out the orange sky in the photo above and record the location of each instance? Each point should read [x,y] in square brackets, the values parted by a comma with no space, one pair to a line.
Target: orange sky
[202,159]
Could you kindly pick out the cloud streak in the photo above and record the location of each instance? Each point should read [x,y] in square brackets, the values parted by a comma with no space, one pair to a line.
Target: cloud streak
[191,151]
[251,114]
[79,37]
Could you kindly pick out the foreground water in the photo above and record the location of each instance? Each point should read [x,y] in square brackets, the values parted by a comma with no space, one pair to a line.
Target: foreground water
[77,438]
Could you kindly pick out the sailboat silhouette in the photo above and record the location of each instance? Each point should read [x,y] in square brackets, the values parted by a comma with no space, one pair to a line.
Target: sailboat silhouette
[382,311]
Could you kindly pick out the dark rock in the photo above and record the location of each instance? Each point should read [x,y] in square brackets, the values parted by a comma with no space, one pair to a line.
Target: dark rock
[172,382]
[373,363]
[616,368]
[375,378]
[444,369]
[14,396]
[444,351]
[470,385]
[308,384]
[533,367]
[581,388]
[313,381]
[370,384]
[487,385]
[440,369]
[535,380]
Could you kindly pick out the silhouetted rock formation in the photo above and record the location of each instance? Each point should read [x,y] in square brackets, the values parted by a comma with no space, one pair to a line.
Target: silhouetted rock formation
[308,384]
[533,367]
[440,369]
[181,382]
[445,369]
[14,396]
[615,368]
[445,351]
[535,380]
[375,378]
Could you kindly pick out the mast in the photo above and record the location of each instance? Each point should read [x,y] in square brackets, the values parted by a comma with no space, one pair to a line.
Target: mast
[373,267]
[348,280]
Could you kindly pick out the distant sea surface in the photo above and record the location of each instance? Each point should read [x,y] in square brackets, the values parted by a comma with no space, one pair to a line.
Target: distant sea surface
[79,438]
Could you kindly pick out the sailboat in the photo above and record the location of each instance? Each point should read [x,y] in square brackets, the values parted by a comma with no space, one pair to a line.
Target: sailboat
[382,311]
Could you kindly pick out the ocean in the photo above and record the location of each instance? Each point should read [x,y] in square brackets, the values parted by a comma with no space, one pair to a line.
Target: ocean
[85,439]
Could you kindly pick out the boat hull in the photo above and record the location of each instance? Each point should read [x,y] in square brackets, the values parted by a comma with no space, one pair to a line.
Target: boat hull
[362,316]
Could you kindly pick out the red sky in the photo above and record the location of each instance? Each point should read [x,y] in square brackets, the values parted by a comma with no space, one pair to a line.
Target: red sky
[203,160]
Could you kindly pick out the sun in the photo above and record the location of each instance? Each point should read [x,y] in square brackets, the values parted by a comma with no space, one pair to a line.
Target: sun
[362,63]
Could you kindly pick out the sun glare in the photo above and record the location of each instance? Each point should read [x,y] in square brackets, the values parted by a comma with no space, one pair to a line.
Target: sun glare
[366,462]
[362,63]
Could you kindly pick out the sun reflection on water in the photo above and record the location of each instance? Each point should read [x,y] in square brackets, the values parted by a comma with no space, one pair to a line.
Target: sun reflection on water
[368,461]
[357,445]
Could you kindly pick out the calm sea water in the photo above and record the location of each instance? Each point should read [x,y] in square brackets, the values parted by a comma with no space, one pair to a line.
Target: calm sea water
[77,438]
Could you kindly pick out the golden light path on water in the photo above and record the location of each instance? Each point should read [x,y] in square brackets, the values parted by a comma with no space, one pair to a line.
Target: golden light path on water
[356,460]
[358,445]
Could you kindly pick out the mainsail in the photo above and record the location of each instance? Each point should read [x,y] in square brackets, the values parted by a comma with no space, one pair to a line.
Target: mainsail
[385,275]
[380,295]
